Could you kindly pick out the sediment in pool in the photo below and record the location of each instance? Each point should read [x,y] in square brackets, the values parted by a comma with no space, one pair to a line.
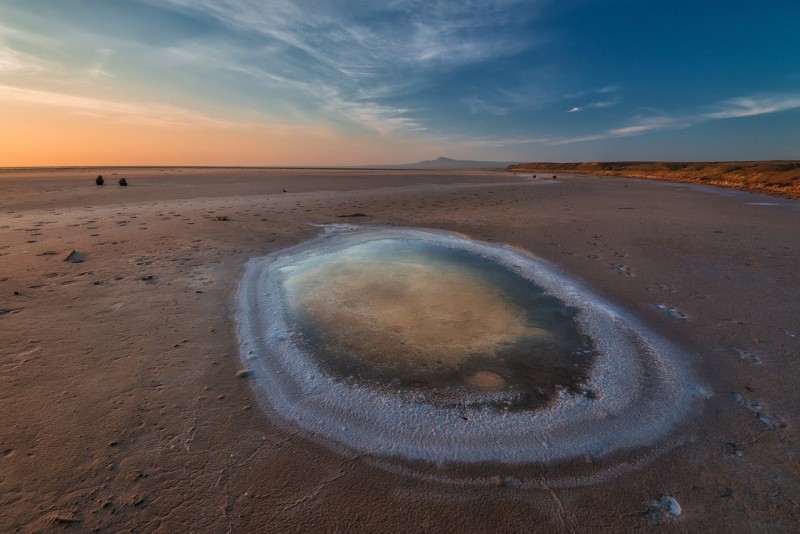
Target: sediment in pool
[452,398]
[409,316]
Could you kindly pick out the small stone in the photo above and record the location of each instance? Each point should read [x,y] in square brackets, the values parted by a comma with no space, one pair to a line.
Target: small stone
[123,182]
[667,507]
[243,373]
[99,180]
[672,506]
[75,257]
[498,481]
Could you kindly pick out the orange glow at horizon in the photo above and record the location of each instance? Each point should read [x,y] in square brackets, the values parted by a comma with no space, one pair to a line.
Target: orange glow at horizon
[34,135]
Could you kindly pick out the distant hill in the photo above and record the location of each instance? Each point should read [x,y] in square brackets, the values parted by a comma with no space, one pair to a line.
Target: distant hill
[771,177]
[443,163]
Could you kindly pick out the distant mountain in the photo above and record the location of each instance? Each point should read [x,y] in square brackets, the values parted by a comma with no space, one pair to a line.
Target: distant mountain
[443,163]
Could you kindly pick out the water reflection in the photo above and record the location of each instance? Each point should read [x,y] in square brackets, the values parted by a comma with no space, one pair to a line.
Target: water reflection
[403,314]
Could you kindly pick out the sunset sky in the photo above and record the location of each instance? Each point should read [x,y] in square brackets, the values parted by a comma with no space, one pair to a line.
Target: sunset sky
[352,82]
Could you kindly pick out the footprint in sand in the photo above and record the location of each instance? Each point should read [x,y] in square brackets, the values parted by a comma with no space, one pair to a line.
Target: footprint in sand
[771,422]
[746,356]
[673,312]
[623,270]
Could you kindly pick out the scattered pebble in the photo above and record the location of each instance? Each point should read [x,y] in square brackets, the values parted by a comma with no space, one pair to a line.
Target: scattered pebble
[243,373]
[673,312]
[746,356]
[624,270]
[667,507]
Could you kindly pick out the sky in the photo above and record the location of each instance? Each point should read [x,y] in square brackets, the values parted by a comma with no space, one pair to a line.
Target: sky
[359,82]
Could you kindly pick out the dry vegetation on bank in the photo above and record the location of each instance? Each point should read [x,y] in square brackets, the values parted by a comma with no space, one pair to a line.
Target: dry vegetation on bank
[781,178]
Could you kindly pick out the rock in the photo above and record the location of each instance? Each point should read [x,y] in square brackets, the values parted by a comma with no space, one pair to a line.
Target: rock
[672,506]
[242,373]
[123,182]
[667,507]
[99,180]
[76,257]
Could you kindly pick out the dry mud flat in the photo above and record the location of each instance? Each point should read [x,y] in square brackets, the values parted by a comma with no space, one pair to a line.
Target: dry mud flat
[121,407]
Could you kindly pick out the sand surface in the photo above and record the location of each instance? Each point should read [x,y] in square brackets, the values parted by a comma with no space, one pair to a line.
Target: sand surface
[777,177]
[121,407]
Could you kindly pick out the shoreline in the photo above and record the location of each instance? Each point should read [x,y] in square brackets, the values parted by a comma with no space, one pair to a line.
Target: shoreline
[779,178]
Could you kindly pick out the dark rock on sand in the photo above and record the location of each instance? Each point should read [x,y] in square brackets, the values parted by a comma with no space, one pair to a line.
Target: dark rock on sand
[76,257]
[99,180]
[123,182]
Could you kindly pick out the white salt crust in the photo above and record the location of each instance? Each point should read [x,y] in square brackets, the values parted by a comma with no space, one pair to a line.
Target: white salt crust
[643,384]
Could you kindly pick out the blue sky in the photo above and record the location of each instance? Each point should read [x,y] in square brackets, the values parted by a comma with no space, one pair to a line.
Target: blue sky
[357,82]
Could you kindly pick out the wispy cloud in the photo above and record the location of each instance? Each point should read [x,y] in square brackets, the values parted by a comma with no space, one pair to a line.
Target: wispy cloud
[359,58]
[14,62]
[505,142]
[141,113]
[596,104]
[752,106]
[638,127]
[327,99]
[604,103]
[8,33]
[98,68]
[730,109]
[478,106]
[346,34]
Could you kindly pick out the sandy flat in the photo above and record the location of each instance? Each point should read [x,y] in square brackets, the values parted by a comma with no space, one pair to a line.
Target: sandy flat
[121,408]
